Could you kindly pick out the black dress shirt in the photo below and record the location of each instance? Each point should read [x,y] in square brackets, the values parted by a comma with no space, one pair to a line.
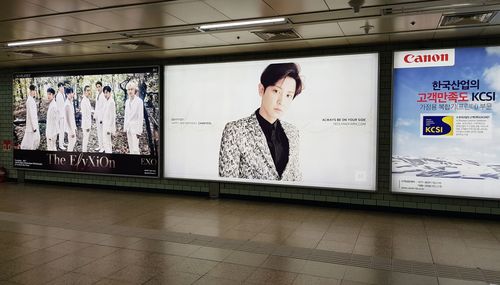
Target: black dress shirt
[276,141]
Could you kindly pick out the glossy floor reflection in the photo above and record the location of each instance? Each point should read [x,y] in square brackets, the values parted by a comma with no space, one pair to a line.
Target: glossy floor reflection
[58,235]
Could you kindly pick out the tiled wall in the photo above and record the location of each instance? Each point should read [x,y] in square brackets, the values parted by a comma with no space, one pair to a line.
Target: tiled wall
[382,197]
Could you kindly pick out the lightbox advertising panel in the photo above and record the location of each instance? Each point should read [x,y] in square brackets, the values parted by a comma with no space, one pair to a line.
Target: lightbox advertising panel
[298,121]
[103,121]
[446,122]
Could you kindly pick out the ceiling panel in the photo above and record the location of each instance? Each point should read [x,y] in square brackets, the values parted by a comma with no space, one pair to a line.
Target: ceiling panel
[71,24]
[13,9]
[145,17]
[11,36]
[64,5]
[97,57]
[391,24]
[172,42]
[10,32]
[368,39]
[33,28]
[24,61]
[8,64]
[185,41]
[458,33]
[284,45]
[241,9]
[130,18]
[411,36]
[340,41]
[319,30]
[494,30]
[338,15]
[194,12]
[168,53]
[69,49]
[94,37]
[99,29]
[416,22]
[106,19]
[284,7]
[4,56]
[355,27]
[106,47]
[241,37]
[201,40]
[108,3]
[22,57]
[343,4]
[197,51]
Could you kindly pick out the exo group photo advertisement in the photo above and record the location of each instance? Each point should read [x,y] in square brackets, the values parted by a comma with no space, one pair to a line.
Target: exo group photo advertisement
[446,122]
[298,121]
[104,121]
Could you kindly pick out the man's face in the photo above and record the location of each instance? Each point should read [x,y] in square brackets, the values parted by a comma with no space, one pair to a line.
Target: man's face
[70,95]
[50,96]
[131,92]
[99,88]
[87,92]
[61,89]
[32,93]
[276,98]
[107,94]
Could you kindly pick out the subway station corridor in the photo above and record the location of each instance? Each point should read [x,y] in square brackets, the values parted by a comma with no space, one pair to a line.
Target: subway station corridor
[70,235]
[300,142]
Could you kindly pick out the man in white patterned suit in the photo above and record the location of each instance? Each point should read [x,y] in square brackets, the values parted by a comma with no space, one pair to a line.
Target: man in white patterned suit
[261,146]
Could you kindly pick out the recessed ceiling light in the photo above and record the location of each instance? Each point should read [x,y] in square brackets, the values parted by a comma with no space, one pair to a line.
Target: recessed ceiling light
[237,24]
[34,42]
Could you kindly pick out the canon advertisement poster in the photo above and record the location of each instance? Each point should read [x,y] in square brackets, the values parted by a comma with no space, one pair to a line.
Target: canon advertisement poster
[297,121]
[88,121]
[446,122]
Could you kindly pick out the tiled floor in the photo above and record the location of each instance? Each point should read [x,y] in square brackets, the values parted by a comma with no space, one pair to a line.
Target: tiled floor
[57,235]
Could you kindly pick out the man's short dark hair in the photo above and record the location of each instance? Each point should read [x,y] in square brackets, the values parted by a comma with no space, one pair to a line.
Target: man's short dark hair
[32,87]
[277,71]
[86,86]
[98,83]
[68,90]
[60,84]
[51,90]
[106,89]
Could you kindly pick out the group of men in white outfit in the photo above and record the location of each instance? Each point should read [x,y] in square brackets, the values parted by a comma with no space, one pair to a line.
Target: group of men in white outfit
[61,119]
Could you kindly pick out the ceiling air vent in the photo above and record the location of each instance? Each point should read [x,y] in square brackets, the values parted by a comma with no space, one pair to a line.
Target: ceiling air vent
[160,32]
[136,45]
[466,19]
[29,53]
[277,35]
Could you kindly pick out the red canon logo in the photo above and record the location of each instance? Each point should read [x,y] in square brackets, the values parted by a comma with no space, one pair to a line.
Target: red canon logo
[411,58]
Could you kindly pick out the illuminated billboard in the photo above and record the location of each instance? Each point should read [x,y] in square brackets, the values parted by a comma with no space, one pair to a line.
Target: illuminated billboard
[446,122]
[88,121]
[298,121]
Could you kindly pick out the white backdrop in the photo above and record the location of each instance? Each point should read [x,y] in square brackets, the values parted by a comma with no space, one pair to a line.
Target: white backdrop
[202,98]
